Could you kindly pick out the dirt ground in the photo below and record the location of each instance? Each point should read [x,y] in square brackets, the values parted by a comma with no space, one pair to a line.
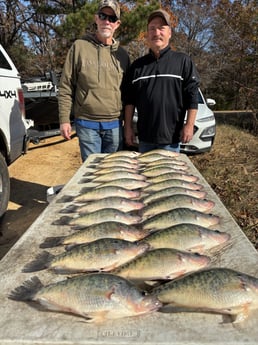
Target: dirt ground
[54,161]
[50,163]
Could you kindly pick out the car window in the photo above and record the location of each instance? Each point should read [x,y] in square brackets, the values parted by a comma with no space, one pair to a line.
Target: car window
[3,62]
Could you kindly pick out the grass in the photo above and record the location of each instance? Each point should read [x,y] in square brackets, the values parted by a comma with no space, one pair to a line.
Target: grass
[231,169]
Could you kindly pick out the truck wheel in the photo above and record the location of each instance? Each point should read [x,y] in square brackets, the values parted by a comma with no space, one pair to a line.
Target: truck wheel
[4,186]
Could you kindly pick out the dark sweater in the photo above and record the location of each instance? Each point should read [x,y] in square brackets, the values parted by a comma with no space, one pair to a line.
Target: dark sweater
[162,90]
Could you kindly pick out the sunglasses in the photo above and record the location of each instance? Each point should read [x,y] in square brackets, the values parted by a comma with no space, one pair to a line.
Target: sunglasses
[104,16]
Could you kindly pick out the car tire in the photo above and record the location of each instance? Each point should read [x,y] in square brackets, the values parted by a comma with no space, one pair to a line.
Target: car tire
[4,186]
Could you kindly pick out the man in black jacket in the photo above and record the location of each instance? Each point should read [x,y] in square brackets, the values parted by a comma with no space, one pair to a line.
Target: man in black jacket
[163,86]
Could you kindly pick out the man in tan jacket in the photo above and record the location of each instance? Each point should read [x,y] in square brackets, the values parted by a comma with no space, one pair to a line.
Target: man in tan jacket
[91,85]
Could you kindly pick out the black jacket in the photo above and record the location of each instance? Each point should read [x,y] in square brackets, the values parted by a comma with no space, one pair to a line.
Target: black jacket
[162,90]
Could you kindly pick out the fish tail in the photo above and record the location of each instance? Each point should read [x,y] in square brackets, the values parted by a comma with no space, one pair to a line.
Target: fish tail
[85,190]
[62,221]
[40,263]
[85,180]
[69,209]
[65,198]
[27,290]
[51,242]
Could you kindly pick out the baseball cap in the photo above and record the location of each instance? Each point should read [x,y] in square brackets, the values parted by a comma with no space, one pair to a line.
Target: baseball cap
[160,13]
[112,4]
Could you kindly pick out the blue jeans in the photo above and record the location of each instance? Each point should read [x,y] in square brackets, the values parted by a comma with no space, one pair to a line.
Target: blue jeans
[98,141]
[145,147]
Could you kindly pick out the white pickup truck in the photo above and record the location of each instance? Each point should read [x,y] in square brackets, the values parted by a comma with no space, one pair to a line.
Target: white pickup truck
[13,125]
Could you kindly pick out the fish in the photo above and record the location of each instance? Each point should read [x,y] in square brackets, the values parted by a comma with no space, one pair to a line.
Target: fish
[97,217]
[164,193]
[100,193]
[156,154]
[161,170]
[122,154]
[101,255]
[126,183]
[165,161]
[110,164]
[97,172]
[217,290]
[97,297]
[161,264]
[117,202]
[176,201]
[178,216]
[187,237]
[155,187]
[114,175]
[173,175]
[95,232]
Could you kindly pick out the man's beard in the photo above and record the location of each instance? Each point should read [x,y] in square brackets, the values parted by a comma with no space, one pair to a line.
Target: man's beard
[105,34]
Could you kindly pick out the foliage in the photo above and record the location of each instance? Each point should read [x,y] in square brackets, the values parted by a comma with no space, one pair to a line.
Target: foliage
[219,35]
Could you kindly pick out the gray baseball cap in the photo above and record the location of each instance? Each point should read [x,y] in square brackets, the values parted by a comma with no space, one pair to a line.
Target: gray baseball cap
[112,4]
[160,13]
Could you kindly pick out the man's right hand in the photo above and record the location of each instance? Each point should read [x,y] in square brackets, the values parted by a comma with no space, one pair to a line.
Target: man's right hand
[66,130]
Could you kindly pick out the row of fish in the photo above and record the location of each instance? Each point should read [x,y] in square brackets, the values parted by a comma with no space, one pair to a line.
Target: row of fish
[141,219]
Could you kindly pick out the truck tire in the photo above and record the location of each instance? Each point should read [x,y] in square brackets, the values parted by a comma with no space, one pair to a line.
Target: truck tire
[4,186]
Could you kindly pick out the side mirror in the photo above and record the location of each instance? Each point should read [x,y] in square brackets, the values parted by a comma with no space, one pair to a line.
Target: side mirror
[210,101]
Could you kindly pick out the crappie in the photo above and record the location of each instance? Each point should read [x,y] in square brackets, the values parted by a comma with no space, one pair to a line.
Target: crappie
[126,183]
[155,187]
[164,193]
[105,171]
[161,264]
[219,290]
[110,164]
[176,201]
[160,170]
[101,255]
[117,202]
[96,297]
[100,193]
[156,154]
[179,216]
[173,175]
[114,175]
[122,154]
[164,161]
[97,217]
[95,232]
[187,237]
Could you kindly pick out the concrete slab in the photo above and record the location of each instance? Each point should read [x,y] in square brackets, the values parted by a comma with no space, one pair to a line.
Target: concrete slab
[24,324]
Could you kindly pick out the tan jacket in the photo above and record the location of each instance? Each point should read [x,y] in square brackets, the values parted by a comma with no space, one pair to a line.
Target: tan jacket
[92,81]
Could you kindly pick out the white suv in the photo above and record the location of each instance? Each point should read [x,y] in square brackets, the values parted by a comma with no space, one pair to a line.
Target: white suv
[204,129]
[13,125]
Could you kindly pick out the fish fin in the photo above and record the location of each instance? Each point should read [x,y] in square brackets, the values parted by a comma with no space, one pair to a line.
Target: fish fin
[27,290]
[242,315]
[51,242]
[109,293]
[66,198]
[97,317]
[62,221]
[69,209]
[40,263]
[85,190]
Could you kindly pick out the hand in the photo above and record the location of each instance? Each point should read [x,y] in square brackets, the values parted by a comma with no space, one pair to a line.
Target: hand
[66,130]
[129,136]
[187,133]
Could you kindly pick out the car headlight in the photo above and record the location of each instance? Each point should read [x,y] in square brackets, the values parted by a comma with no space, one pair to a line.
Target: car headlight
[206,119]
[208,133]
